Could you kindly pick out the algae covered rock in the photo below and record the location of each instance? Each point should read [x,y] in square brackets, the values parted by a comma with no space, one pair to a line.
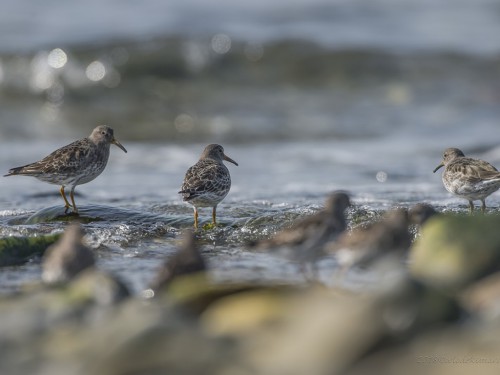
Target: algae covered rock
[17,250]
[454,250]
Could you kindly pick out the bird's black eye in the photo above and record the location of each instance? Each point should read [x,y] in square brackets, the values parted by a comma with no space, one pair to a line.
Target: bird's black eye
[103,132]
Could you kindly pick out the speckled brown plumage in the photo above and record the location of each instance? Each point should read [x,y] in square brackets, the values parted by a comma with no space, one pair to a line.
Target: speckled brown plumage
[207,182]
[468,178]
[75,164]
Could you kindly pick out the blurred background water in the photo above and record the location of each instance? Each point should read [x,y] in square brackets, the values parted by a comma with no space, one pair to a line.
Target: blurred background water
[307,96]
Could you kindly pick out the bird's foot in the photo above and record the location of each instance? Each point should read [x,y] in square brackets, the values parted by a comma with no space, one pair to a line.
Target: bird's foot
[210,226]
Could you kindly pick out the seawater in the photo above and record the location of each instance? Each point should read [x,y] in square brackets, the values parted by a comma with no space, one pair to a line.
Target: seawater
[308,97]
[274,185]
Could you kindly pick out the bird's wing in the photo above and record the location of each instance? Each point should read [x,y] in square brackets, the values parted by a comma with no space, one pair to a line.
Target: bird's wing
[474,170]
[204,177]
[62,160]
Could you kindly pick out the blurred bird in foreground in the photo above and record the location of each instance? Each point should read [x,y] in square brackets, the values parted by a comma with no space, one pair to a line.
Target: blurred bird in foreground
[187,260]
[363,246]
[420,213]
[67,257]
[308,237]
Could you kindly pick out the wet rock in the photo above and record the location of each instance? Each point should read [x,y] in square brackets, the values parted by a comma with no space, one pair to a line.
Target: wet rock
[18,250]
[195,292]
[153,339]
[483,297]
[449,350]
[59,213]
[98,287]
[316,333]
[196,326]
[67,257]
[136,336]
[90,213]
[454,250]
[319,330]
[248,312]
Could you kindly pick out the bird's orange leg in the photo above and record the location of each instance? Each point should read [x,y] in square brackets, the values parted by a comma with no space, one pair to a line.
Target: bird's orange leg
[66,203]
[72,196]
[195,218]
[214,215]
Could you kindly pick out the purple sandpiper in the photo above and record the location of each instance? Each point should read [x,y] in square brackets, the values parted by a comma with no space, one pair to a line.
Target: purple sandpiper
[468,178]
[75,164]
[207,182]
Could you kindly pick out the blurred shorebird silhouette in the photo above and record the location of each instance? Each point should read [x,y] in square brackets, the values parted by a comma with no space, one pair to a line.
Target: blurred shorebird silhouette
[307,238]
[420,213]
[67,257]
[186,260]
[363,246]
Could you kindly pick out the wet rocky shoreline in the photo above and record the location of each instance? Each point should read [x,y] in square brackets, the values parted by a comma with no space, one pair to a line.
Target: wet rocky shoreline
[436,313]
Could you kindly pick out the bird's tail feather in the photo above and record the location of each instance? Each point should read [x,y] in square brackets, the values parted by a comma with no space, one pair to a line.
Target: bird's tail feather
[21,170]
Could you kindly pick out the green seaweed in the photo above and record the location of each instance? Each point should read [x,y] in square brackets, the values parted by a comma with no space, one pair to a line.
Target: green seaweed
[17,250]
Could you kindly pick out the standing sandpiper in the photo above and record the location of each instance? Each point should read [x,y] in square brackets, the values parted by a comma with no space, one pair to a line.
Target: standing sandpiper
[468,178]
[207,182]
[75,164]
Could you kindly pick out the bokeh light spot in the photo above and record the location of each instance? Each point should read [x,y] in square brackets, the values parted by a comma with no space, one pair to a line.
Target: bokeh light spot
[42,80]
[120,55]
[399,94]
[95,71]
[49,111]
[184,123]
[381,176]
[254,51]
[112,79]
[57,58]
[220,125]
[221,43]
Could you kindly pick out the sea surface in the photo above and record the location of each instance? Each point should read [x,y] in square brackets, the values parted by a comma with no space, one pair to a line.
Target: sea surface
[307,96]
